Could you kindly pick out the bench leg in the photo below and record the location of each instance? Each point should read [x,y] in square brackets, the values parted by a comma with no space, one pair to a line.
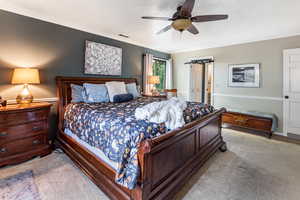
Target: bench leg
[270,135]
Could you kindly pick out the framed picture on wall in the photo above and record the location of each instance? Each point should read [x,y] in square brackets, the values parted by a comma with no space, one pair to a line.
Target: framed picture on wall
[244,75]
[101,59]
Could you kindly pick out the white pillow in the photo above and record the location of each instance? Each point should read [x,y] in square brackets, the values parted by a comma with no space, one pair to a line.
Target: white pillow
[115,88]
[132,89]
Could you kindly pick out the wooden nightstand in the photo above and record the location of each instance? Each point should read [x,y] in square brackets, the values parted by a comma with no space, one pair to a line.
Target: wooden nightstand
[156,96]
[23,132]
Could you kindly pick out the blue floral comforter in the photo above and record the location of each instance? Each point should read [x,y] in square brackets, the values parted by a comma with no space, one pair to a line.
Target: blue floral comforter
[112,128]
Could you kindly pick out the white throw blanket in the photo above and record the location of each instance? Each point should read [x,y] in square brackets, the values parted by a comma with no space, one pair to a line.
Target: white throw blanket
[169,112]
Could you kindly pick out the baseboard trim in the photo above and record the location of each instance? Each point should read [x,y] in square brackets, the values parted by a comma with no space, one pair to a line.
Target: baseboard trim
[249,97]
[50,100]
[285,139]
[280,134]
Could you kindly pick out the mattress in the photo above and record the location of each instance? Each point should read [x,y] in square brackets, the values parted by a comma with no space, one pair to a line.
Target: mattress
[97,152]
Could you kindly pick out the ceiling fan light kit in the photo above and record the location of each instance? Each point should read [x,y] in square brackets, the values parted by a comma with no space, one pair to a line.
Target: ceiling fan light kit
[181,24]
[183,20]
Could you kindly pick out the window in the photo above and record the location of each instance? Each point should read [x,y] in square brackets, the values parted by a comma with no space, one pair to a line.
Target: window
[159,69]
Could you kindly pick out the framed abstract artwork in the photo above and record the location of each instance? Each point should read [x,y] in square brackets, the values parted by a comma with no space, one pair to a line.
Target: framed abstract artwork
[101,59]
[244,75]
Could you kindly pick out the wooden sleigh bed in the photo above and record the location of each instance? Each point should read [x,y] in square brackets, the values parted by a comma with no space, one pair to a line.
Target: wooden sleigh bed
[167,162]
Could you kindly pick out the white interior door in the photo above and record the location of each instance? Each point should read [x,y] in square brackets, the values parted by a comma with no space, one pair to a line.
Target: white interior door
[291,105]
[196,75]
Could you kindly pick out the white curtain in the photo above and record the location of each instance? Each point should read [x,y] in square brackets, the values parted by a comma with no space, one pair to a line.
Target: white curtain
[169,74]
[148,71]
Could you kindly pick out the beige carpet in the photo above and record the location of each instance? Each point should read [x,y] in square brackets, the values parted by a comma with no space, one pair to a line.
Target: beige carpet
[254,168]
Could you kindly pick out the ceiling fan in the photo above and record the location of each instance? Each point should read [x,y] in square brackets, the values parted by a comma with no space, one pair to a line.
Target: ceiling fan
[183,20]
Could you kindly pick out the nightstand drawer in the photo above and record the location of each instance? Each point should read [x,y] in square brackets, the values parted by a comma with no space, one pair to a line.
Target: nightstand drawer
[23,117]
[21,131]
[20,146]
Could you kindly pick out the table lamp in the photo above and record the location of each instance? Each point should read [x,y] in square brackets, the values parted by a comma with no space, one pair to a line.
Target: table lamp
[25,76]
[153,80]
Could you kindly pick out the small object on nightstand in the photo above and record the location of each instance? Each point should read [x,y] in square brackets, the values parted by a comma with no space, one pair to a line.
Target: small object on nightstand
[23,132]
[3,103]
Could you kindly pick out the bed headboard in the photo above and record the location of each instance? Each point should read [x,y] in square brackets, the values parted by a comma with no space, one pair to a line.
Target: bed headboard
[63,85]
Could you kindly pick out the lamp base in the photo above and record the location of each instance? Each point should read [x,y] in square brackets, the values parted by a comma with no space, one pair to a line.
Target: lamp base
[25,97]
[154,91]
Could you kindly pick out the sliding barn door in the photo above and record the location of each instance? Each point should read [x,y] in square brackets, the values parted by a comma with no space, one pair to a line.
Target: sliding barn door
[292,91]
[196,82]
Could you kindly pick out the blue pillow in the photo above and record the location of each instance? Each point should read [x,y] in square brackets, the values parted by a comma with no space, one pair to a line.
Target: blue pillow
[95,93]
[119,98]
[77,94]
[132,89]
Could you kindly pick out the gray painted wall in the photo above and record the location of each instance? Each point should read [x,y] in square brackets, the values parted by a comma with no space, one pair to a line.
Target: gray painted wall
[56,50]
[267,53]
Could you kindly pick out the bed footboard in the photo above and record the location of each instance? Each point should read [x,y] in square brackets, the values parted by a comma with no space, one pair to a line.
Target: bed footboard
[167,162]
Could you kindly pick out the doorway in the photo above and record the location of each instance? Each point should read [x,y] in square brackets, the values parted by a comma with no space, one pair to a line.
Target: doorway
[201,81]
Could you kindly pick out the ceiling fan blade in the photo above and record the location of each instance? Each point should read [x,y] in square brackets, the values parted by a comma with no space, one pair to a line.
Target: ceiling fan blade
[187,8]
[207,18]
[193,29]
[159,18]
[164,30]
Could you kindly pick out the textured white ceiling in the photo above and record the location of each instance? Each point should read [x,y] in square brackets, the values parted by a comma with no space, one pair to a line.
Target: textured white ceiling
[249,20]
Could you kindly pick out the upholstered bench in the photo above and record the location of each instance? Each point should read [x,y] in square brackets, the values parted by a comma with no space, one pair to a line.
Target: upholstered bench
[260,122]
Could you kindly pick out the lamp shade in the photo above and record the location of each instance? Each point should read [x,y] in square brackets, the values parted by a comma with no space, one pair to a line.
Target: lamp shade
[25,76]
[153,80]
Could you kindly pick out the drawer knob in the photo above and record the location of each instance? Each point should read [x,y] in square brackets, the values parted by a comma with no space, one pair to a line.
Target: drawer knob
[36,128]
[2,150]
[2,134]
[36,142]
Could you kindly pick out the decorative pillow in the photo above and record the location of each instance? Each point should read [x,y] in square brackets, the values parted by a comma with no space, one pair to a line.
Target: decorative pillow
[119,98]
[78,94]
[132,89]
[95,93]
[115,88]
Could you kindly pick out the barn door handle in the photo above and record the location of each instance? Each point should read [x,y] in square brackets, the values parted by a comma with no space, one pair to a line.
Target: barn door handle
[286,97]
